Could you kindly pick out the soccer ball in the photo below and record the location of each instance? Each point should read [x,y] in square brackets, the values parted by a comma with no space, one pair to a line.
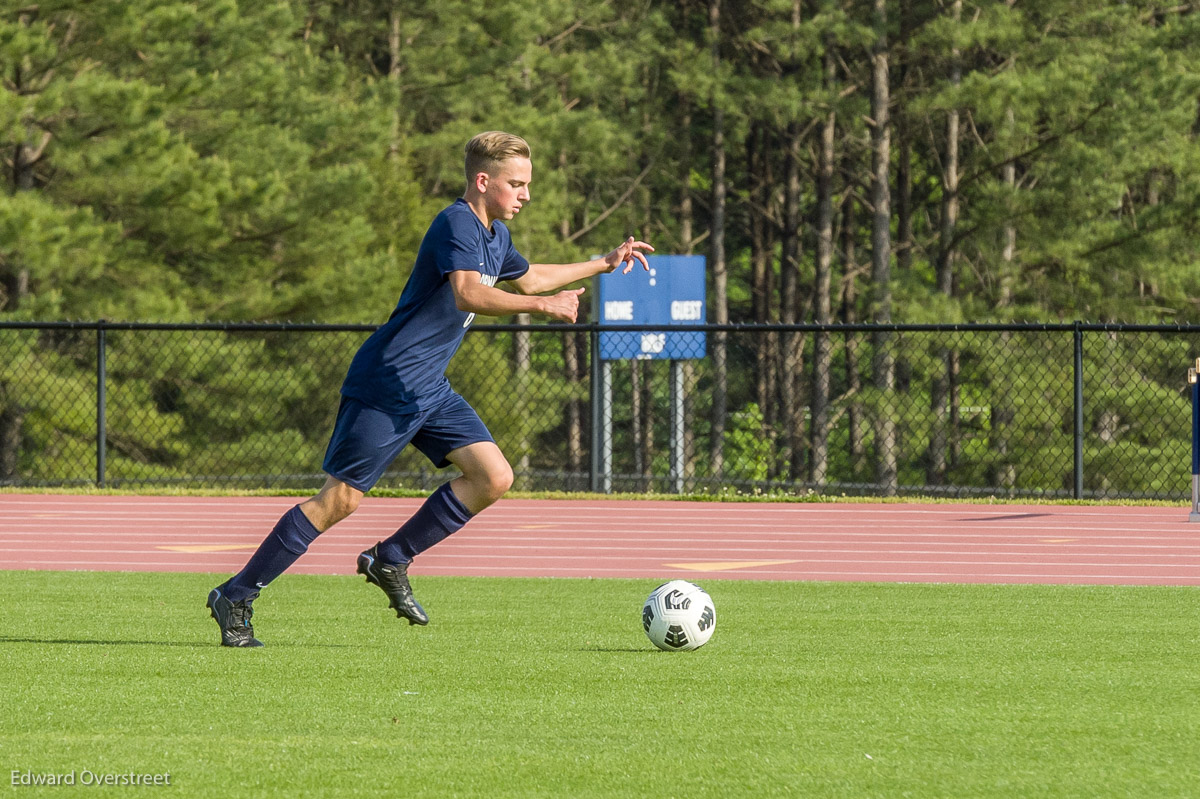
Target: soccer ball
[679,616]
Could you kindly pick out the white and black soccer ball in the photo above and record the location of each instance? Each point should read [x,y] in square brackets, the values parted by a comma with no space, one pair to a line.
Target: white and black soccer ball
[679,616]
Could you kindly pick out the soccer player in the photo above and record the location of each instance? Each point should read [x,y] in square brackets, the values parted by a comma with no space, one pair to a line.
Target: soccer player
[396,392]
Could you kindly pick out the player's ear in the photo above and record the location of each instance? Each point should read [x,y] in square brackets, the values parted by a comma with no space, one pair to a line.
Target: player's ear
[482,179]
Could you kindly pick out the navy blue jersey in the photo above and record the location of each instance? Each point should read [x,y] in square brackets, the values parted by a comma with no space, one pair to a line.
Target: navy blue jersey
[401,367]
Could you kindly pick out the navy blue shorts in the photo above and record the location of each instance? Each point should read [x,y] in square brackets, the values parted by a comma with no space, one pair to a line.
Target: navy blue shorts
[365,441]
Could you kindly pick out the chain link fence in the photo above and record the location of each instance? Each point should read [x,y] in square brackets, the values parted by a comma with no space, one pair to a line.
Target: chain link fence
[1073,410]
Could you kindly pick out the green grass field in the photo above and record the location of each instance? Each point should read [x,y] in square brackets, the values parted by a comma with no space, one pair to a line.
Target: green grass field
[524,687]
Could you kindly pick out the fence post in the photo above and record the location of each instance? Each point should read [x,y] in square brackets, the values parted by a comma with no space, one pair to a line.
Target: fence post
[1078,470]
[101,403]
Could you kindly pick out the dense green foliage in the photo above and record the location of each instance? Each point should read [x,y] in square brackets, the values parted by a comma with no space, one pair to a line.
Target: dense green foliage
[228,160]
[225,160]
[549,688]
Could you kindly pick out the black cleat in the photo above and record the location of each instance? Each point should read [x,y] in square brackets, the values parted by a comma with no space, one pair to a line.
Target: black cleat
[393,579]
[234,618]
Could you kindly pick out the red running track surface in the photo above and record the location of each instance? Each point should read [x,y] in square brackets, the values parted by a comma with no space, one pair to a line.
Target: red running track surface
[884,542]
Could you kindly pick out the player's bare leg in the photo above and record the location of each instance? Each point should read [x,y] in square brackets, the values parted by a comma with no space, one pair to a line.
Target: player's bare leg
[486,475]
[335,501]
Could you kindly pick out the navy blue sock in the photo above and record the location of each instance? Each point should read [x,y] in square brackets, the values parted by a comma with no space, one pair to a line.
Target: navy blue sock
[279,550]
[438,517]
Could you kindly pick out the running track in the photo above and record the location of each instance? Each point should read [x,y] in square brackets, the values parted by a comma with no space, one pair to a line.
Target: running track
[646,539]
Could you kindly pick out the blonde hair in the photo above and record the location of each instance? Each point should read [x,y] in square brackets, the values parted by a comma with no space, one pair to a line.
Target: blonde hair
[487,151]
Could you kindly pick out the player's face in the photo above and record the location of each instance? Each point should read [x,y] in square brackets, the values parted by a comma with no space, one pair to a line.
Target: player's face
[508,190]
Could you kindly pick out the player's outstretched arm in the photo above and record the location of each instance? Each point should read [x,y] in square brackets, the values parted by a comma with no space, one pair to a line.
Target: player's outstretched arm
[548,277]
[472,296]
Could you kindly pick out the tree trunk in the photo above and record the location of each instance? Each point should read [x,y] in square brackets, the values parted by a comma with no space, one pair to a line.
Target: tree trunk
[771,343]
[1008,254]
[855,418]
[791,375]
[883,361]
[574,364]
[646,445]
[792,355]
[14,275]
[642,428]
[761,284]
[635,419]
[523,358]
[759,255]
[685,176]
[822,299]
[944,405]
[688,367]
[904,209]
[394,77]
[718,266]
[12,419]
[575,358]
[1003,415]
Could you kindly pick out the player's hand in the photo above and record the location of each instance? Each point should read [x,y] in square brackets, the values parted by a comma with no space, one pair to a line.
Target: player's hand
[563,306]
[627,253]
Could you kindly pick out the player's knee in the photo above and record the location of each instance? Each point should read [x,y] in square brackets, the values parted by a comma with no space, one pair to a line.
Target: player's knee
[346,503]
[499,480]
[336,503]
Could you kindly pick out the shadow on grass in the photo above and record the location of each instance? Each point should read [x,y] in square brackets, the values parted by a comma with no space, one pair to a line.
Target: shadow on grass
[4,639]
[634,650]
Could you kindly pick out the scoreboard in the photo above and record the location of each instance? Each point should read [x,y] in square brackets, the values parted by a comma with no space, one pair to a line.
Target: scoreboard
[671,294]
